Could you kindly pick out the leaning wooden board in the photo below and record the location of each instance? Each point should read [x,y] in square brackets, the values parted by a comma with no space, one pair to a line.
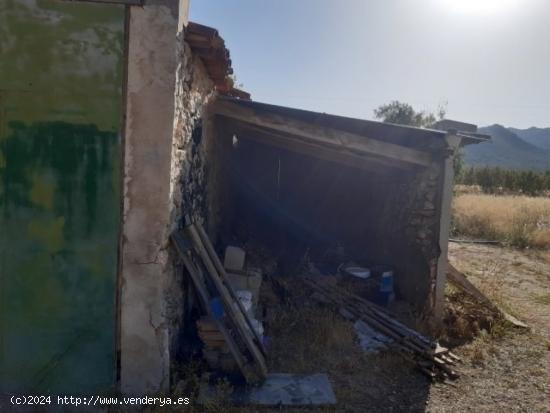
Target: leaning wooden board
[232,306]
[223,277]
[252,373]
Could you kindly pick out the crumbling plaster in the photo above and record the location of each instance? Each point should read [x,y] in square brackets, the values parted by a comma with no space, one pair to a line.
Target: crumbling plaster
[446,191]
[422,230]
[166,87]
[425,218]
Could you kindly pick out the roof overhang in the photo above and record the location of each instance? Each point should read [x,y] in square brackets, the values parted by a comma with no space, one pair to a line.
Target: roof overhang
[354,142]
[472,138]
[466,131]
[210,47]
[127,2]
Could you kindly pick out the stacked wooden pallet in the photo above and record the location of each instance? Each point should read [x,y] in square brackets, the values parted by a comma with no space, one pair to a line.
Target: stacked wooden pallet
[432,359]
[220,304]
[216,351]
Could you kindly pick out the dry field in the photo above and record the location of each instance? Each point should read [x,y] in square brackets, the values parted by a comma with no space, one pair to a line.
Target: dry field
[518,221]
[508,371]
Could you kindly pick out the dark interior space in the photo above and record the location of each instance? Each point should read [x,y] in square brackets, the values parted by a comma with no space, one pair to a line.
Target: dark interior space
[330,213]
[288,210]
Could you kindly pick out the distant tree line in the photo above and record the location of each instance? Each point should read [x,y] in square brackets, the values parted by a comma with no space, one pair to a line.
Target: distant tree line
[489,179]
[494,180]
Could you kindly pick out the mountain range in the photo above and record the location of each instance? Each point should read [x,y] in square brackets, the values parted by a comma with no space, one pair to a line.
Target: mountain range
[511,148]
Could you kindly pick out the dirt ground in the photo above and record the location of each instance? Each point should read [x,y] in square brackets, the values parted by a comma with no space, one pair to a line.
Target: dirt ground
[504,371]
[509,373]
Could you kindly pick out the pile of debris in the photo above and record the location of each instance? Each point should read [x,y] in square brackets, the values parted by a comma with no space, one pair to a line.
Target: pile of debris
[432,359]
[469,311]
[231,336]
[229,327]
[229,296]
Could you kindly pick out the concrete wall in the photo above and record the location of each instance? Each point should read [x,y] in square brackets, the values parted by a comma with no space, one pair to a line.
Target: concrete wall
[145,264]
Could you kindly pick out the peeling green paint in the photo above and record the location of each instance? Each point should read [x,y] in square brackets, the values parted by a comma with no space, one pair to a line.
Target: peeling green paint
[60,110]
[42,191]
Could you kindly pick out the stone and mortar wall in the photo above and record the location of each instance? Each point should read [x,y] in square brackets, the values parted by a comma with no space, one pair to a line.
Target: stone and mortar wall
[415,231]
[194,90]
[188,175]
[422,229]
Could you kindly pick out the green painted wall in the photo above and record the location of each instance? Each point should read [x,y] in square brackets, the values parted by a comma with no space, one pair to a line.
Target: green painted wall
[60,150]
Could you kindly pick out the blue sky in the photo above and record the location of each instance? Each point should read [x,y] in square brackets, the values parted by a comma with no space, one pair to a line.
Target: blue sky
[488,59]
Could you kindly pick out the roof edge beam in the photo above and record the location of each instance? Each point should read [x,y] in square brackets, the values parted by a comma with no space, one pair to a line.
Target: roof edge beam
[126,2]
[322,135]
[314,150]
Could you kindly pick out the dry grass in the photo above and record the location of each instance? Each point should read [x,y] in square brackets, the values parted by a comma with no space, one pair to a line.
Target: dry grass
[543,299]
[485,344]
[304,336]
[307,338]
[519,221]
[466,319]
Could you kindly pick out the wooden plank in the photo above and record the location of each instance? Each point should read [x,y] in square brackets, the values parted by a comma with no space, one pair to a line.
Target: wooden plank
[207,324]
[460,280]
[408,341]
[211,335]
[399,343]
[337,155]
[223,275]
[215,345]
[410,352]
[320,134]
[213,264]
[366,308]
[182,249]
[126,2]
[235,315]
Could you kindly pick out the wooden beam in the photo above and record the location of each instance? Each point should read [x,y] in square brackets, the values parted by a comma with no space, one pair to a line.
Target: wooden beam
[204,298]
[126,2]
[234,312]
[321,135]
[339,156]
[223,275]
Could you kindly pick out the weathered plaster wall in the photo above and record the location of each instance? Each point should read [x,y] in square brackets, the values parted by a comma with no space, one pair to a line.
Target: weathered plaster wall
[165,179]
[145,265]
[446,191]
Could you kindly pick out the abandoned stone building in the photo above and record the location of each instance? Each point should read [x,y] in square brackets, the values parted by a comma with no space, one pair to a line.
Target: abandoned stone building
[119,121]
